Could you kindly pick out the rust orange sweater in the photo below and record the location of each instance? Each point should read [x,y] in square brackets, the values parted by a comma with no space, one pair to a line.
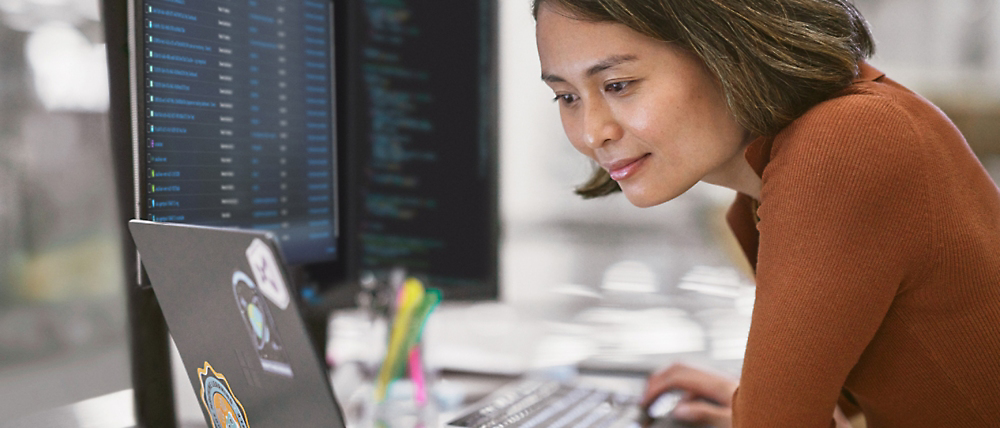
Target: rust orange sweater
[877,257]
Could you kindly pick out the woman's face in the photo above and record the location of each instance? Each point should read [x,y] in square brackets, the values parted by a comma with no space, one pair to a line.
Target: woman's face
[647,111]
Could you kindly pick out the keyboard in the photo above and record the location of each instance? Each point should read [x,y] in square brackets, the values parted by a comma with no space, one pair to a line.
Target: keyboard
[552,404]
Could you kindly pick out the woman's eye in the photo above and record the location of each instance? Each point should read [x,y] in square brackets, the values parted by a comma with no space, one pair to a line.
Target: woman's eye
[616,86]
[564,98]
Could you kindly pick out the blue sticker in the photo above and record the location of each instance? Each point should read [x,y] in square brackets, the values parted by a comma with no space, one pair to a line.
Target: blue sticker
[261,328]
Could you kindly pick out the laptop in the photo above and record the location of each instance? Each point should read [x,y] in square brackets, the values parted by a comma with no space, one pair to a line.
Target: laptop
[227,300]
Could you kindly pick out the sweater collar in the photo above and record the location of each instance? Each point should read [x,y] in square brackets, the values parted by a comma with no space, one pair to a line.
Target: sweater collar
[867,73]
[758,152]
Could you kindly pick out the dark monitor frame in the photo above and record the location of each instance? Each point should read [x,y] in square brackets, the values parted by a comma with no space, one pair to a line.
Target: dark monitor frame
[149,348]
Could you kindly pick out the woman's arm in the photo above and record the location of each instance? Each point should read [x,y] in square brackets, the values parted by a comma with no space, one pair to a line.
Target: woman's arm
[840,228]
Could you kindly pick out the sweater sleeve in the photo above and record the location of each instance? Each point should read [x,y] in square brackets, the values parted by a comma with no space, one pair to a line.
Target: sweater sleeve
[840,229]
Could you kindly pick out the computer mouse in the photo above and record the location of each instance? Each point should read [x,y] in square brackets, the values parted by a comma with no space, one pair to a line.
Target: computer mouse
[664,404]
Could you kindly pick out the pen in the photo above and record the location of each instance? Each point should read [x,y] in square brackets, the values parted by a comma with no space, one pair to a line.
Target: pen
[417,374]
[411,295]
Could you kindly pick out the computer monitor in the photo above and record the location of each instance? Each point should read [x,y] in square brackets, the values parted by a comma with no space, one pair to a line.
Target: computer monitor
[236,112]
[361,133]
[421,88]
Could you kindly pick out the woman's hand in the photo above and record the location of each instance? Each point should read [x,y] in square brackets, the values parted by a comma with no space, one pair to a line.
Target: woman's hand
[841,418]
[707,399]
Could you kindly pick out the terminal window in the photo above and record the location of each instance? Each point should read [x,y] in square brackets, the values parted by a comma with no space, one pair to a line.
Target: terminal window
[422,92]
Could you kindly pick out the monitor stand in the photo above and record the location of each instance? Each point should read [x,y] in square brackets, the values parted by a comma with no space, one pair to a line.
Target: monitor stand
[147,330]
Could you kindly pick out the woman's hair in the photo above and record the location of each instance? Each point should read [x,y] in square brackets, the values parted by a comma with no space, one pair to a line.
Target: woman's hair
[774,59]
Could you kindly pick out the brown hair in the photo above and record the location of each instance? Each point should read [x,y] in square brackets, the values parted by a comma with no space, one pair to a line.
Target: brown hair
[774,59]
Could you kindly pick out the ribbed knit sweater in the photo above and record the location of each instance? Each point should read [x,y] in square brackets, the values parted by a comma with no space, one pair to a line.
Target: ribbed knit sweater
[876,247]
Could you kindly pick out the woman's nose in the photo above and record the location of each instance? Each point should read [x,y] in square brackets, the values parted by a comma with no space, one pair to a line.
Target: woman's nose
[600,126]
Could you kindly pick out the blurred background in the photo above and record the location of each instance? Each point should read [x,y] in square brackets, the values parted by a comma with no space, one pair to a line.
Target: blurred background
[61,292]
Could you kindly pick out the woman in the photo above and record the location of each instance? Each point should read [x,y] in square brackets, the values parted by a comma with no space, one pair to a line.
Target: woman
[873,230]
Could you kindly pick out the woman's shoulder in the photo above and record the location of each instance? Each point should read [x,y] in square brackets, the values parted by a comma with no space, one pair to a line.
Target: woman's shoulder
[865,116]
[866,144]
[875,125]
[859,130]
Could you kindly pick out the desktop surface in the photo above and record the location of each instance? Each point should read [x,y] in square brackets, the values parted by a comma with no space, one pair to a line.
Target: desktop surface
[114,410]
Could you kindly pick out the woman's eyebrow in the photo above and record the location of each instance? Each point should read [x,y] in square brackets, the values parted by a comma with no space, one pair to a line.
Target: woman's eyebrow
[602,65]
[609,62]
[552,78]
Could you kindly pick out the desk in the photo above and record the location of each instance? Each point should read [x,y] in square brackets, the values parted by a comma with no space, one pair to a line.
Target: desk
[115,410]
[609,338]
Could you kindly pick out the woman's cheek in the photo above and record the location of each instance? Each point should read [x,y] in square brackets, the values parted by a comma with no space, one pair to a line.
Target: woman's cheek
[638,119]
[572,130]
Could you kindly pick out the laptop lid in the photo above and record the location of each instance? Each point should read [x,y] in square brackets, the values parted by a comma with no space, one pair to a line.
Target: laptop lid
[226,299]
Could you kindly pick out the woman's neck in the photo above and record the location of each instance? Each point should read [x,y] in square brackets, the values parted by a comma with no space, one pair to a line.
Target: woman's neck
[737,174]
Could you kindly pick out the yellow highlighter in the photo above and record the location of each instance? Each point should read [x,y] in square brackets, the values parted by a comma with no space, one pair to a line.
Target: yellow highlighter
[411,295]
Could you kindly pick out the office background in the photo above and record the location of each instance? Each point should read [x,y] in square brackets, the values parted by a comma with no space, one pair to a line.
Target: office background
[62,335]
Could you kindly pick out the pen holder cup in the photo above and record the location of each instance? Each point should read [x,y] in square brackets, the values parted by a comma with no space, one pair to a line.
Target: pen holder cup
[395,382]
[402,404]
[406,400]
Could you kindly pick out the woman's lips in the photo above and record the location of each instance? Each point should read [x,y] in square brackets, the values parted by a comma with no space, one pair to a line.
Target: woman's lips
[626,168]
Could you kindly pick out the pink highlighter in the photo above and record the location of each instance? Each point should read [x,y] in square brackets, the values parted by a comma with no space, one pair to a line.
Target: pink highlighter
[417,375]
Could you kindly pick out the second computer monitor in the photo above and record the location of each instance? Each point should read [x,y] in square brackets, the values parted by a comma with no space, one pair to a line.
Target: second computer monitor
[422,98]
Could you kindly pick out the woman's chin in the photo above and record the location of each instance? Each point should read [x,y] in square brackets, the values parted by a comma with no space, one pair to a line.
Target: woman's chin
[643,198]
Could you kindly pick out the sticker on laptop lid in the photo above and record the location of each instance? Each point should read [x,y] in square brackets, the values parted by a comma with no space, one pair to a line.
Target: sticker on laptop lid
[223,408]
[261,326]
[265,269]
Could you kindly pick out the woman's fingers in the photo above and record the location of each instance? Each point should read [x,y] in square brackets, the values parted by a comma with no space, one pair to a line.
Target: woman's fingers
[694,382]
[707,398]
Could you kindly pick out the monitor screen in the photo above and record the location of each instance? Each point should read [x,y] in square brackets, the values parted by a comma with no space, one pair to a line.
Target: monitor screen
[236,119]
[421,89]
